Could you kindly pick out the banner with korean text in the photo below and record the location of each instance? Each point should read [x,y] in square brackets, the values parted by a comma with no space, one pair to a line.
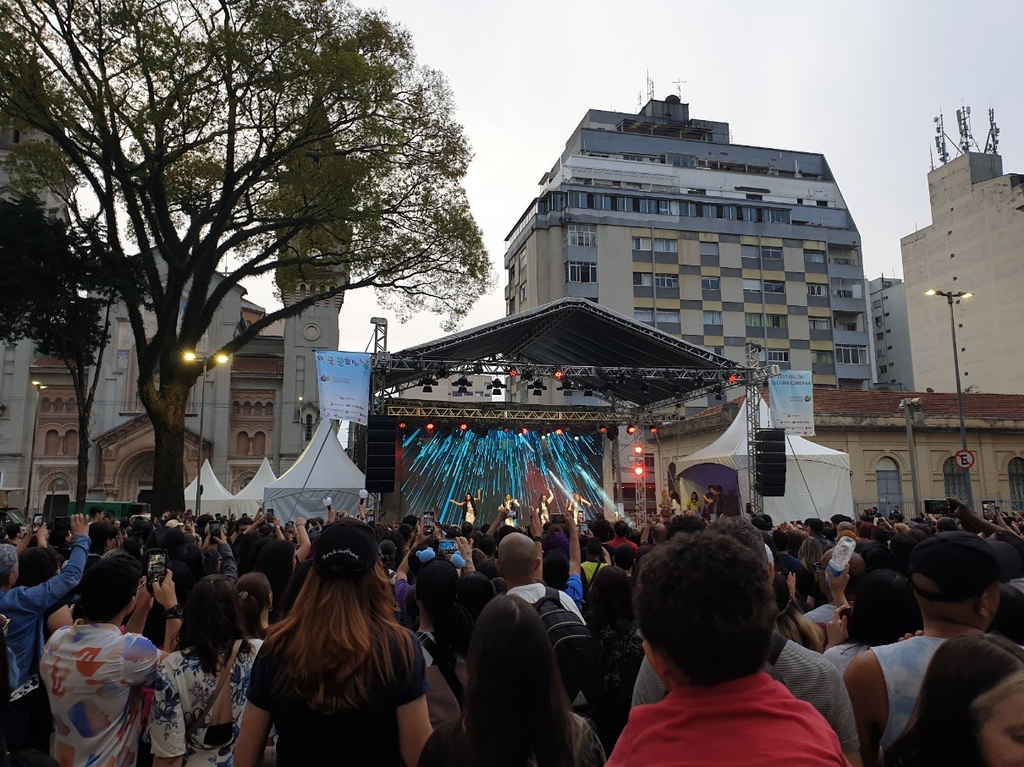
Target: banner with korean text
[343,382]
[791,402]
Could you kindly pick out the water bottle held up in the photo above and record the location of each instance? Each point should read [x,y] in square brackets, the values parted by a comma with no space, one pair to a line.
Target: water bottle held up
[841,556]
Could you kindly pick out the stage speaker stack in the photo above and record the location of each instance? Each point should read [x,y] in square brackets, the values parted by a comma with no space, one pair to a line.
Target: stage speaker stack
[770,462]
[381,453]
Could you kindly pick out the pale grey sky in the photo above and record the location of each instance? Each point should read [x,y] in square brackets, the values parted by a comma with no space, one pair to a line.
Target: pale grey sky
[857,81]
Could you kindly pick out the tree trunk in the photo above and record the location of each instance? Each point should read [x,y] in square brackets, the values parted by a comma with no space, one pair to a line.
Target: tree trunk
[166,410]
[84,446]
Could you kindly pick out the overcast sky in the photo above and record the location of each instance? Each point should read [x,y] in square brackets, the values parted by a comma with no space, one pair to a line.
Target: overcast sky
[858,81]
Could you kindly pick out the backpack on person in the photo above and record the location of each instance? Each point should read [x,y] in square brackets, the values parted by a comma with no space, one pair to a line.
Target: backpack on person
[577,651]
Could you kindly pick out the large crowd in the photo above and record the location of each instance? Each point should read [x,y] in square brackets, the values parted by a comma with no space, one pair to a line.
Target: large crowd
[694,639]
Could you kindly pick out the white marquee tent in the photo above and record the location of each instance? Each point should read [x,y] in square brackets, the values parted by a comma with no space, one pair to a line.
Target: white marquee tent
[249,499]
[817,477]
[216,499]
[324,469]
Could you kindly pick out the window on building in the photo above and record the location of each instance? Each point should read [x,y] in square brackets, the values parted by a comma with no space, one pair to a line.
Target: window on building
[719,350]
[579,271]
[688,209]
[581,235]
[641,243]
[883,369]
[776,216]
[778,321]
[666,245]
[1016,471]
[954,480]
[851,355]
[730,212]
[748,251]
[749,213]
[666,317]
[709,248]
[887,484]
[821,357]
[771,254]
[752,286]
[642,279]
[643,315]
[821,203]
[879,336]
[814,256]
[774,286]
[816,289]
[820,323]
[753,319]
[712,318]
[710,283]
[880,352]
[521,257]
[778,355]
[666,280]
[709,211]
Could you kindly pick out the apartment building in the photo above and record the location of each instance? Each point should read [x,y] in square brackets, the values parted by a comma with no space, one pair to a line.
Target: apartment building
[890,328]
[659,217]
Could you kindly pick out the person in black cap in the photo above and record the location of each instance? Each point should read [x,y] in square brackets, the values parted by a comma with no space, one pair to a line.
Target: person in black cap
[339,675]
[955,578]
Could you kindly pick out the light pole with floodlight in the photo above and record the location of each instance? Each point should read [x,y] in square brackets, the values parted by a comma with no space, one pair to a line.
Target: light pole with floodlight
[38,386]
[218,359]
[950,297]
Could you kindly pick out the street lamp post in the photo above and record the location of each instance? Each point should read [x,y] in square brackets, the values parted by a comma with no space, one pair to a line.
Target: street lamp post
[38,386]
[909,405]
[219,359]
[950,297]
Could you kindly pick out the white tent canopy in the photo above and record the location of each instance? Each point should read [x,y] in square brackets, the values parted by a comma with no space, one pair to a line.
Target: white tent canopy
[817,477]
[216,499]
[249,499]
[324,469]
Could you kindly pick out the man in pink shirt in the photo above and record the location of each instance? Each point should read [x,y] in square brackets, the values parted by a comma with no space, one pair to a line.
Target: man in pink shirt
[707,616]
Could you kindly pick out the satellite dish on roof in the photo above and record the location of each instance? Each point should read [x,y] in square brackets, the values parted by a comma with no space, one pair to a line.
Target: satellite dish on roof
[672,99]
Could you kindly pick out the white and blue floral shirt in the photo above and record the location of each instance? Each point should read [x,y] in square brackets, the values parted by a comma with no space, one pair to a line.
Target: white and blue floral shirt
[180,693]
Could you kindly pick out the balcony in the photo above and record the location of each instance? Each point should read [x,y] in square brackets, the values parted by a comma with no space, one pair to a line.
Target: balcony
[860,372]
[851,337]
[845,271]
[844,301]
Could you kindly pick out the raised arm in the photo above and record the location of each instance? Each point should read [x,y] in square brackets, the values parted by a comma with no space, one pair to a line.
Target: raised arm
[499,520]
[575,557]
[302,553]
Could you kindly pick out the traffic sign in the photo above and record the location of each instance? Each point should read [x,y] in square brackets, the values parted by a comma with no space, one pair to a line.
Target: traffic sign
[964,459]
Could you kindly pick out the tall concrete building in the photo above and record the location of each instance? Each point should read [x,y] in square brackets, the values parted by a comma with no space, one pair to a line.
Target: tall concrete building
[659,217]
[973,245]
[890,328]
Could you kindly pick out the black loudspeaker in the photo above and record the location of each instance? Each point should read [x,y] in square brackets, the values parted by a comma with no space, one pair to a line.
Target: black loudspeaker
[770,462]
[381,453]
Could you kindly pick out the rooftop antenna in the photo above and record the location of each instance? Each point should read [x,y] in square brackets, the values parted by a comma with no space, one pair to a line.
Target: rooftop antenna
[940,140]
[679,88]
[639,100]
[992,142]
[963,118]
[650,86]
[931,158]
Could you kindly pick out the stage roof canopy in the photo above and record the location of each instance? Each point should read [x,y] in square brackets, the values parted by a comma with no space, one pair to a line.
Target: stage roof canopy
[628,360]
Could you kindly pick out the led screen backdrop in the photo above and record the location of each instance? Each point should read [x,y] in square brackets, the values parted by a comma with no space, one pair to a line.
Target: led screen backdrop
[438,468]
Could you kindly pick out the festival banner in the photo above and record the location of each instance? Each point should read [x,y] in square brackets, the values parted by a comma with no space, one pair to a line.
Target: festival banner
[791,402]
[343,381]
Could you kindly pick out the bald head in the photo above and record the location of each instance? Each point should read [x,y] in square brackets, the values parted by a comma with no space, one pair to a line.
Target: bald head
[517,560]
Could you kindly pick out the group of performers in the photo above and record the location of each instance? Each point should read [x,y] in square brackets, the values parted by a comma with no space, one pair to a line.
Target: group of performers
[546,507]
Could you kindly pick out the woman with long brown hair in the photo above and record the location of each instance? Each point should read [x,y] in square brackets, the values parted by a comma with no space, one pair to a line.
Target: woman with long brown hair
[338,677]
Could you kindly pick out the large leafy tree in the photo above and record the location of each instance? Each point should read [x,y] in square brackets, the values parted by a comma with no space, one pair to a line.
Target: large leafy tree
[58,291]
[222,141]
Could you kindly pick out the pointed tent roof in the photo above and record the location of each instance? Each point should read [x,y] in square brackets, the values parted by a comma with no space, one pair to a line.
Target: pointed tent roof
[254,490]
[731,448]
[323,469]
[215,496]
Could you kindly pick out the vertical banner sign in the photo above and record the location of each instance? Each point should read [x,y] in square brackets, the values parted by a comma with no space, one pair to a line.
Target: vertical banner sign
[343,382]
[791,402]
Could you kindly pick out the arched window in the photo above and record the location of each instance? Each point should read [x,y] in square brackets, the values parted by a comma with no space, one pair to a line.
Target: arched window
[242,443]
[58,405]
[70,405]
[246,408]
[258,409]
[269,409]
[954,480]
[51,443]
[259,443]
[60,485]
[236,408]
[44,405]
[887,484]
[309,427]
[1016,472]
[71,443]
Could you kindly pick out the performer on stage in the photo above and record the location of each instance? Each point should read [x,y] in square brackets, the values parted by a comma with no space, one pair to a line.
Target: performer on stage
[576,506]
[511,505]
[469,505]
[543,506]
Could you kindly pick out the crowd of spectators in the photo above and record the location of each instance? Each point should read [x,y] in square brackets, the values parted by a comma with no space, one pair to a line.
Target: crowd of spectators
[685,641]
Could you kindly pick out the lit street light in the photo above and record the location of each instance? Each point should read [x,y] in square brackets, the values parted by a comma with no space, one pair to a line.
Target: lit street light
[38,386]
[218,359]
[950,297]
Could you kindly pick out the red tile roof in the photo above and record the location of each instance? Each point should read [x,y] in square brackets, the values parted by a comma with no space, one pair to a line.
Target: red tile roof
[257,365]
[867,402]
[47,362]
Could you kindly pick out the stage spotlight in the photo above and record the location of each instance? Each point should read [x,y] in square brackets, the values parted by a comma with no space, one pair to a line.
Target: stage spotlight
[430,426]
[603,429]
[645,387]
[478,369]
[734,378]
[654,430]
[631,429]
[463,426]
[527,374]
[559,374]
[559,432]
[524,430]
[638,449]
[577,438]
[639,471]
[401,424]
[495,386]
[613,433]
[513,371]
